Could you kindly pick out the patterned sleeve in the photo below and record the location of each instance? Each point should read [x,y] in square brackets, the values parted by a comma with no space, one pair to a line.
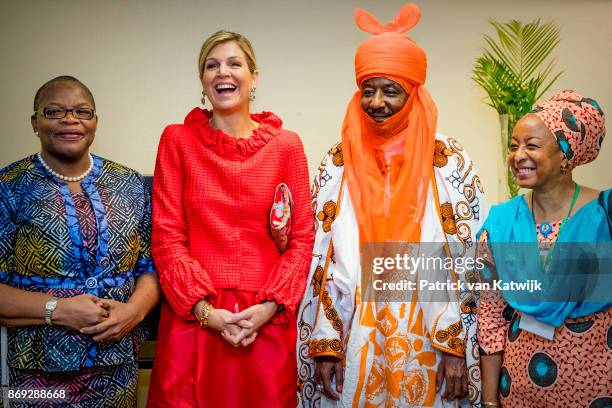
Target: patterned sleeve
[287,280]
[181,277]
[8,226]
[462,209]
[332,283]
[492,325]
[328,334]
[145,260]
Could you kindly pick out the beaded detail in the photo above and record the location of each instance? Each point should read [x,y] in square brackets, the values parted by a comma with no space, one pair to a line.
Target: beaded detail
[67,179]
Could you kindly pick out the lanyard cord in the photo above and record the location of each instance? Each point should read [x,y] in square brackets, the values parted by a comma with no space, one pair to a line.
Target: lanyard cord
[574,199]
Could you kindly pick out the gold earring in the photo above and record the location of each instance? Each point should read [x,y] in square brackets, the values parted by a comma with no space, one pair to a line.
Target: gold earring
[564,168]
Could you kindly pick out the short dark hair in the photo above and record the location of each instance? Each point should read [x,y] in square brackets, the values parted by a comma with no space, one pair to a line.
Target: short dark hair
[61,78]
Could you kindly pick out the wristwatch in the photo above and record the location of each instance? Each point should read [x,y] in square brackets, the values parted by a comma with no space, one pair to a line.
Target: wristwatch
[49,309]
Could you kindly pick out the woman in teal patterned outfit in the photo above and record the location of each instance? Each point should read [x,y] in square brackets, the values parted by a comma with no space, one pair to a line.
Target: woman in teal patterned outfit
[76,274]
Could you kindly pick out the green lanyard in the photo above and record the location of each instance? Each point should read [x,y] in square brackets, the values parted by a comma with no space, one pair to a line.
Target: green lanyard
[547,259]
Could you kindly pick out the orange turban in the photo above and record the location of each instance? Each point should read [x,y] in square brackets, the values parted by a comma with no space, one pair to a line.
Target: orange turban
[389,164]
[390,52]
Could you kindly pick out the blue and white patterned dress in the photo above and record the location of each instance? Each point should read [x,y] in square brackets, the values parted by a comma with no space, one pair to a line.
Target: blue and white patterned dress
[55,241]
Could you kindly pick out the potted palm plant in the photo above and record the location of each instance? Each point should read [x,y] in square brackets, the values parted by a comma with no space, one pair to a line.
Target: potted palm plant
[514,71]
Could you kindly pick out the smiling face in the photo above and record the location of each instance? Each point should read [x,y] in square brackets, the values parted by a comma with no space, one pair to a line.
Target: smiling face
[67,139]
[381,98]
[226,79]
[535,157]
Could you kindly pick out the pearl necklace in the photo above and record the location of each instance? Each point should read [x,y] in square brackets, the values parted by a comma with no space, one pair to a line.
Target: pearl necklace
[67,179]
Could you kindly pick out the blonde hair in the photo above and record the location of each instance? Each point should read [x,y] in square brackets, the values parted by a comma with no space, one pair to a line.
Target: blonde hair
[221,37]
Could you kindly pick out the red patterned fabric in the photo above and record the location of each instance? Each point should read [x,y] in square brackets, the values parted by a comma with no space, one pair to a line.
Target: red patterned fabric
[195,367]
[212,195]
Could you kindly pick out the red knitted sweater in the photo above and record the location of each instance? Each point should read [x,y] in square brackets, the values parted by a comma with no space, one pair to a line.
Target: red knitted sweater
[212,196]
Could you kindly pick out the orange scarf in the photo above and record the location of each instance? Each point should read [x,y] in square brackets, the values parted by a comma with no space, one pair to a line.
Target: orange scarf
[389,164]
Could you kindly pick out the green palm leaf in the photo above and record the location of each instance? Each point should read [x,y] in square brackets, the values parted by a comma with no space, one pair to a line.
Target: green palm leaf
[514,69]
[516,57]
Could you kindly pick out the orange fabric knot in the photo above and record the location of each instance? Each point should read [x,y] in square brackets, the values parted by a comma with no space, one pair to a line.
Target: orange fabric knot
[390,51]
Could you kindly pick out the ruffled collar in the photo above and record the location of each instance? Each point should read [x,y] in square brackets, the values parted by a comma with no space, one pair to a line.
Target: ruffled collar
[269,127]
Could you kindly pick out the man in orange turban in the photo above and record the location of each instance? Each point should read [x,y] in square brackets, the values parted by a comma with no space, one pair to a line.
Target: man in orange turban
[391,185]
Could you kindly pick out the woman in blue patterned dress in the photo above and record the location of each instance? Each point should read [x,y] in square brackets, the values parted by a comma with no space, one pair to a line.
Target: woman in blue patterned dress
[76,275]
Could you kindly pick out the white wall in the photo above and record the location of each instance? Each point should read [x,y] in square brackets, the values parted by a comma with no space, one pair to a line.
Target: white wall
[139,58]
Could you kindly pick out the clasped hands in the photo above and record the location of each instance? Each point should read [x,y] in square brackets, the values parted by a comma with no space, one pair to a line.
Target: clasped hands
[240,327]
[103,319]
[452,371]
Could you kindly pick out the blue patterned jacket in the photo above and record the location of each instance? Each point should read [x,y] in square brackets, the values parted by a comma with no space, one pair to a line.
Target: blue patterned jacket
[41,249]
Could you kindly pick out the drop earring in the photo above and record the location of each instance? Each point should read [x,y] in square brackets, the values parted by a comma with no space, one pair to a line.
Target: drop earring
[564,168]
[252,94]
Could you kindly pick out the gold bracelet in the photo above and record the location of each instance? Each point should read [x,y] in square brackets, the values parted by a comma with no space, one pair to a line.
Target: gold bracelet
[490,404]
[205,311]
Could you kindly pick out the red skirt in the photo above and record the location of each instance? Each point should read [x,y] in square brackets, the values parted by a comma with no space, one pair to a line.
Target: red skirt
[195,367]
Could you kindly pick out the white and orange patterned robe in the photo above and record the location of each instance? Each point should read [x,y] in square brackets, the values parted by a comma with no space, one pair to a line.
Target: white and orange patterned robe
[391,350]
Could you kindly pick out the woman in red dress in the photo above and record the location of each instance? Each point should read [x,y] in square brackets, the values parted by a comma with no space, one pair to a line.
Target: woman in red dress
[227,332]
